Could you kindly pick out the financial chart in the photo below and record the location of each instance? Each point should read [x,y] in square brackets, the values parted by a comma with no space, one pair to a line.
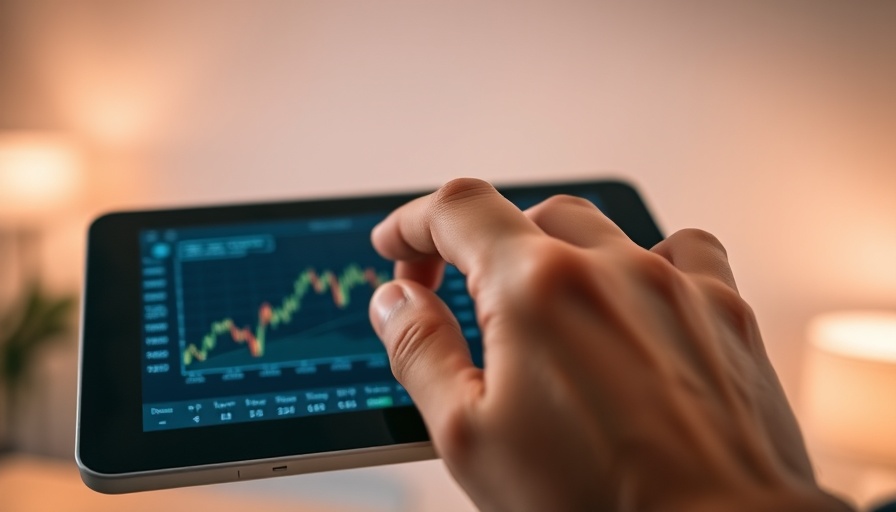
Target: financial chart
[272,318]
[247,322]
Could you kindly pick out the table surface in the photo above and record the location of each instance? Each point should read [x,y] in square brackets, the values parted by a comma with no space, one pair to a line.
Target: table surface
[30,483]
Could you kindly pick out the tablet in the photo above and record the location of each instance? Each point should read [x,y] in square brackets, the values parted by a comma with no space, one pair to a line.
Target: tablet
[233,342]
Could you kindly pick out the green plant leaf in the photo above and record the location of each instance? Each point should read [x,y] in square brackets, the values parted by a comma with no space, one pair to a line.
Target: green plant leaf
[37,320]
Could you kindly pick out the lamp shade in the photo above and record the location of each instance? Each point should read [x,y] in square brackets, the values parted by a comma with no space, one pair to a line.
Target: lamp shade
[40,174]
[849,386]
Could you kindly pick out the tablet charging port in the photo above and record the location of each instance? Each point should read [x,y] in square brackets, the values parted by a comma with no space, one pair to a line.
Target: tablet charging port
[279,468]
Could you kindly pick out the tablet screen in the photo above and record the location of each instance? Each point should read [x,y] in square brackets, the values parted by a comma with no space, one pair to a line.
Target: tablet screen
[260,321]
[240,333]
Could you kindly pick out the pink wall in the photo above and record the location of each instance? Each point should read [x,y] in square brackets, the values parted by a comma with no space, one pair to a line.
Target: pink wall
[772,124]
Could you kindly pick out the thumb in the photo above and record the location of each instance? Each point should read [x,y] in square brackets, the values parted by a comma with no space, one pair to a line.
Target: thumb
[428,353]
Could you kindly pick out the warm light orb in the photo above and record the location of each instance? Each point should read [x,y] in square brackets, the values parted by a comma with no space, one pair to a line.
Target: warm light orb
[861,334]
[850,384]
[40,172]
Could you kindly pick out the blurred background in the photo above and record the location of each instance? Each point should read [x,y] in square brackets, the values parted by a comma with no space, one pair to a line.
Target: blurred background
[771,124]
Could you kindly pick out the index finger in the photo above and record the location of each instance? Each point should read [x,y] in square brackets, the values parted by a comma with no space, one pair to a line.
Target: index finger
[466,222]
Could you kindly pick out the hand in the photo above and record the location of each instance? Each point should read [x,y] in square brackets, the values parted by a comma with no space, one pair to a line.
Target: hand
[615,378]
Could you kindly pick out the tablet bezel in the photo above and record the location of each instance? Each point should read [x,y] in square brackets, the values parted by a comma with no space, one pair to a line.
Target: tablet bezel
[111,443]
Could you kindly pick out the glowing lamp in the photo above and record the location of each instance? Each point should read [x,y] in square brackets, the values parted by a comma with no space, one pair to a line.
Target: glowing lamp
[850,385]
[39,176]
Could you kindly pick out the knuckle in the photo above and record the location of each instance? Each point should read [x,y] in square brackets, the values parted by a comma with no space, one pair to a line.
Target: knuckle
[557,203]
[460,190]
[564,200]
[694,236]
[545,269]
[725,296]
[736,311]
[654,271]
[409,344]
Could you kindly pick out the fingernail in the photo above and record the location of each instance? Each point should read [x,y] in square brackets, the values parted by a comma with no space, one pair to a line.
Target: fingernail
[385,300]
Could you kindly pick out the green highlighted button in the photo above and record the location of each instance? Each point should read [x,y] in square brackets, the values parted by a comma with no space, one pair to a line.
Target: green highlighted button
[379,401]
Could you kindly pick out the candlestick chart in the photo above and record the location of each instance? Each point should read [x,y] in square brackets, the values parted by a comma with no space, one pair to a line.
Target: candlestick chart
[338,286]
[252,304]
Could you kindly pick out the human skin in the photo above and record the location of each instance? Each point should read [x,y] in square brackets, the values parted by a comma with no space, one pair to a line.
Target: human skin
[615,378]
